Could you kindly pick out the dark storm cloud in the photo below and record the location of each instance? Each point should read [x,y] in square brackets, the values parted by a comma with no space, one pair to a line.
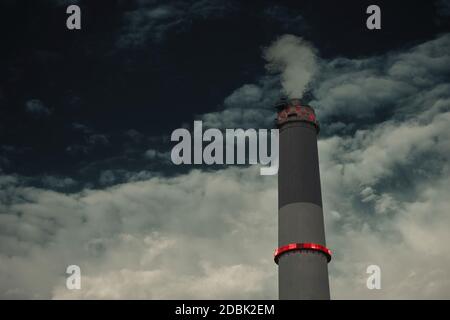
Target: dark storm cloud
[97,139]
[290,20]
[81,127]
[393,85]
[118,176]
[37,108]
[143,24]
[89,140]
[150,21]
[53,182]
[250,106]
[153,154]
[4,162]
[77,149]
[107,177]
[134,135]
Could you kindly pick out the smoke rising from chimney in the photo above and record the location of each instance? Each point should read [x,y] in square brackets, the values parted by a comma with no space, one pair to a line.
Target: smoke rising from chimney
[296,60]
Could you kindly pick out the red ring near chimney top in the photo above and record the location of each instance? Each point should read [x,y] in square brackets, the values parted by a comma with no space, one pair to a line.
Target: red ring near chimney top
[302,246]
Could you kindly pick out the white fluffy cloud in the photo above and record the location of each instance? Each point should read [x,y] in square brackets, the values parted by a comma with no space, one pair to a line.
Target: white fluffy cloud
[250,106]
[211,234]
[194,236]
[371,222]
[405,82]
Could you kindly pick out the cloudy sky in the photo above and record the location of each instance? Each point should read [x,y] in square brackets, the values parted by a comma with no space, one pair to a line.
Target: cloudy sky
[85,124]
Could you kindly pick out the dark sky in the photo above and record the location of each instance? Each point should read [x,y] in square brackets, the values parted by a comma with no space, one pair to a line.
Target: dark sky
[75,102]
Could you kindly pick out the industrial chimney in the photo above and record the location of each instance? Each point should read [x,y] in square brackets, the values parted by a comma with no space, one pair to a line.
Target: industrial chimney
[302,255]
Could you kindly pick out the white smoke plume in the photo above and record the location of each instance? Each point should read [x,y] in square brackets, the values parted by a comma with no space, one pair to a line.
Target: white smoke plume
[296,60]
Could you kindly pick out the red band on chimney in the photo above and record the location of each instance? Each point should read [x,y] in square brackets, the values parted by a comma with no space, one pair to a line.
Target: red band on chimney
[297,113]
[300,247]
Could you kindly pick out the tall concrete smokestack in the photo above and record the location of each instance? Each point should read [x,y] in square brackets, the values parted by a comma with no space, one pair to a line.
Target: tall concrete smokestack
[302,255]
